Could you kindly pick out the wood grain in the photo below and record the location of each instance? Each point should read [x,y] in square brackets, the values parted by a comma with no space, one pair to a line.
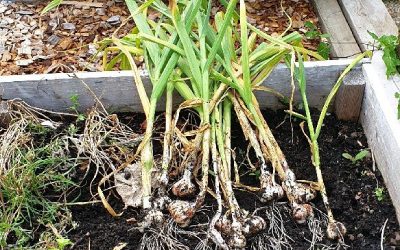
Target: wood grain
[117,92]
[350,96]
[334,23]
[368,15]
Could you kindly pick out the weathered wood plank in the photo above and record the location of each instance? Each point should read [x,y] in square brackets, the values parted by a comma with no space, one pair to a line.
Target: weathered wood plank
[117,92]
[379,120]
[350,96]
[368,15]
[334,23]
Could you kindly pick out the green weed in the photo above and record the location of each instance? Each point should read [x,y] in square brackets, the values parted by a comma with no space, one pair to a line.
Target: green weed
[379,193]
[358,157]
[24,206]
[389,44]
[75,107]
[324,49]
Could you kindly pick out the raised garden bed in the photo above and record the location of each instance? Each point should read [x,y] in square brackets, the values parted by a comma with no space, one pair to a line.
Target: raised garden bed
[361,98]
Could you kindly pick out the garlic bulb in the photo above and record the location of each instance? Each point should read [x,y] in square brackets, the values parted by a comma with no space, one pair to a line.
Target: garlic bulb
[184,187]
[253,225]
[224,225]
[269,189]
[182,212]
[335,230]
[302,212]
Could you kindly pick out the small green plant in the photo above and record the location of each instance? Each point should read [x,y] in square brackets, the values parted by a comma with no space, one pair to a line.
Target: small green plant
[358,157]
[62,243]
[75,106]
[379,193]
[38,129]
[23,186]
[72,129]
[389,44]
[323,48]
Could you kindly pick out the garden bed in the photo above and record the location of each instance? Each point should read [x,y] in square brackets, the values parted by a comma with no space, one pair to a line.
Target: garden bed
[361,205]
[352,186]
[351,189]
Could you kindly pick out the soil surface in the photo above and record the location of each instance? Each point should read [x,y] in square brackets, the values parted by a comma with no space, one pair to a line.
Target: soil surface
[66,39]
[351,189]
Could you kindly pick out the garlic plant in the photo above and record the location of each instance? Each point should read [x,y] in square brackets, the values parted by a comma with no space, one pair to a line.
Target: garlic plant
[335,230]
[215,69]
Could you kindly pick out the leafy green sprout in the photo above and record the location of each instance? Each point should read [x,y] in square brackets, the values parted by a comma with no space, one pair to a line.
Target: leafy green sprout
[391,49]
[75,106]
[37,129]
[256,173]
[72,129]
[62,243]
[389,44]
[357,158]
[323,48]
[379,193]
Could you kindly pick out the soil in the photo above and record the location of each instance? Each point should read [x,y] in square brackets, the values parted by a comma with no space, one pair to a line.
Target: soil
[351,189]
[66,39]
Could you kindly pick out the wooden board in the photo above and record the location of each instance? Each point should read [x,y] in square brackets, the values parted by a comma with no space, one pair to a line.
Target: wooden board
[368,15]
[334,23]
[381,126]
[349,98]
[117,92]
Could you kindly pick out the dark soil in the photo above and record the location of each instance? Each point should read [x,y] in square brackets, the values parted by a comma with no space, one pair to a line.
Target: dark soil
[351,188]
